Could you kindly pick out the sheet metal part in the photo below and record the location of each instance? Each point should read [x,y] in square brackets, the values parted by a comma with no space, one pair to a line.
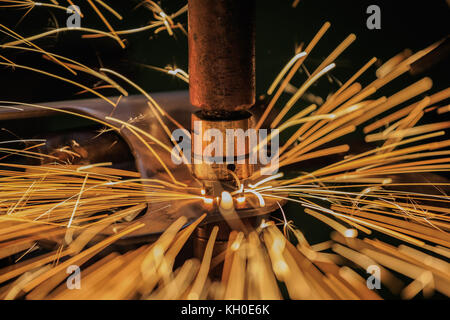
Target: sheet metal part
[157,216]
[133,107]
[222,83]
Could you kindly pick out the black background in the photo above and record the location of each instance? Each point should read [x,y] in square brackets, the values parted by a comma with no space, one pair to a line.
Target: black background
[404,24]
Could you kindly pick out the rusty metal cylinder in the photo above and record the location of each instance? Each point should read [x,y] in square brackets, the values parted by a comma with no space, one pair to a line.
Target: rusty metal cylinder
[232,143]
[221,55]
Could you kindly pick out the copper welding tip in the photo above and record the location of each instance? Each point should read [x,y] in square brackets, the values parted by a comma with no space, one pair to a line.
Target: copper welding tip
[221,55]
[240,165]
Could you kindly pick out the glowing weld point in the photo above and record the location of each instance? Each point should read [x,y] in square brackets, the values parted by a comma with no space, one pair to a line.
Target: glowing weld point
[203,192]
[240,200]
[226,201]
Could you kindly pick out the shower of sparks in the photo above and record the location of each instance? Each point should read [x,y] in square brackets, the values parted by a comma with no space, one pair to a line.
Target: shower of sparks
[60,210]
[163,22]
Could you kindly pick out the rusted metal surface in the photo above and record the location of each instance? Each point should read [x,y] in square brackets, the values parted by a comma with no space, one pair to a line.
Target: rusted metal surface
[221,55]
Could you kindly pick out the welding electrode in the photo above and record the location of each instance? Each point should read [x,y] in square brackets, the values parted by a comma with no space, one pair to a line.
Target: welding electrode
[221,55]
[221,76]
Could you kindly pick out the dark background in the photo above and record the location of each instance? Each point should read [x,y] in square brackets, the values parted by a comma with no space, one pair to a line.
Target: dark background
[404,24]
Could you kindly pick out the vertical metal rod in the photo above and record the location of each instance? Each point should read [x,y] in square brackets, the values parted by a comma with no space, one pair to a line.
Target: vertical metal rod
[221,55]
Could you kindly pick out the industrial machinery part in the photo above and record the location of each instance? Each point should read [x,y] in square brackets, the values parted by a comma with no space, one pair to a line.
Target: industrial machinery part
[221,55]
[157,216]
[221,77]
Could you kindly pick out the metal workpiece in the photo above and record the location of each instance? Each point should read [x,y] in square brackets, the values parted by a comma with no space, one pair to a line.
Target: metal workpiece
[221,55]
[157,217]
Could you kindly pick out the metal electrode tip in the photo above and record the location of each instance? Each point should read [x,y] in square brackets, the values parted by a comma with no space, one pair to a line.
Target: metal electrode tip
[226,201]
[221,148]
